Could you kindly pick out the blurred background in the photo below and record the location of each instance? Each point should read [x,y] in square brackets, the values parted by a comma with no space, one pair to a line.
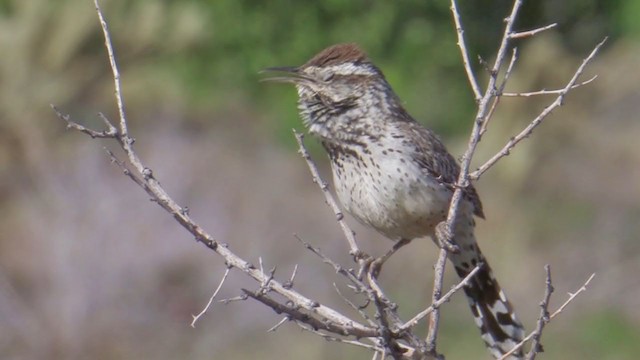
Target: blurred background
[91,269]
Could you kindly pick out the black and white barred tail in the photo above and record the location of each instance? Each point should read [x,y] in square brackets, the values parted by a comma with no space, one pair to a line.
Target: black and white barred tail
[493,314]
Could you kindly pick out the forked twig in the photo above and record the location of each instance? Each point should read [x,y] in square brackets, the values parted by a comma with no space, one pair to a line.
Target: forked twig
[215,293]
[526,132]
[124,132]
[572,296]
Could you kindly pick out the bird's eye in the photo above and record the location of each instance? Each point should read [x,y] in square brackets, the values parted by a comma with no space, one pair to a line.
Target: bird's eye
[327,76]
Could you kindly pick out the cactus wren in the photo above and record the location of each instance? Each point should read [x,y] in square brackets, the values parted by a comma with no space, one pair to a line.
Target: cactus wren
[395,175]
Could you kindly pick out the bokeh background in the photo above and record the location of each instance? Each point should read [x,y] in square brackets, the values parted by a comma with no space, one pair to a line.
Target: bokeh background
[91,269]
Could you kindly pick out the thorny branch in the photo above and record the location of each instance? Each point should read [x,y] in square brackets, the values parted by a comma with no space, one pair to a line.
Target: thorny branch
[348,233]
[144,177]
[385,333]
[543,319]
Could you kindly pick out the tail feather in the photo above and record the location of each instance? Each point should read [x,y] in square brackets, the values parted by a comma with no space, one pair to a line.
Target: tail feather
[493,313]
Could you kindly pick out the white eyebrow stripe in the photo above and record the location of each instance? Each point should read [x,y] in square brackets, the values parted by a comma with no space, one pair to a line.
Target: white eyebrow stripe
[350,68]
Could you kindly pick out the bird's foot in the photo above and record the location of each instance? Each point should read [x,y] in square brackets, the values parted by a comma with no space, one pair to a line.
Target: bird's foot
[445,238]
[374,266]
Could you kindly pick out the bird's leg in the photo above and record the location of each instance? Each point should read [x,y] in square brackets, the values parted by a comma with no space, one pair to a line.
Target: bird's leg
[376,265]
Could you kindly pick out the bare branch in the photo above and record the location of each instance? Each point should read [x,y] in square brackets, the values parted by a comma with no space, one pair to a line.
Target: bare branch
[358,284]
[572,296]
[110,133]
[529,33]
[582,289]
[359,309]
[474,138]
[463,177]
[338,339]
[149,184]
[496,100]
[526,132]
[348,233]
[124,132]
[276,326]
[414,321]
[215,293]
[547,92]
[387,315]
[434,320]
[295,313]
[463,51]
[242,297]
[289,284]
[543,319]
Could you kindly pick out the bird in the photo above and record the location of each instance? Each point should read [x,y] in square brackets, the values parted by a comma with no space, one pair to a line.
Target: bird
[395,175]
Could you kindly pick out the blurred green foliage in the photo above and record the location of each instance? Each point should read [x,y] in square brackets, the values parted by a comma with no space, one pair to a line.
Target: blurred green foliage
[412,42]
[605,334]
[206,54]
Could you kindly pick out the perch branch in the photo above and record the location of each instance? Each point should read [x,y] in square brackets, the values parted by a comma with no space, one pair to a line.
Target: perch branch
[348,233]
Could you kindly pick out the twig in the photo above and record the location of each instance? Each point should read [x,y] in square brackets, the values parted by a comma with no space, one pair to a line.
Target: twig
[242,297]
[359,309]
[551,317]
[306,318]
[434,320]
[386,309]
[496,99]
[276,326]
[463,51]
[289,284]
[543,319]
[524,34]
[328,337]
[358,284]
[414,321]
[124,132]
[547,92]
[215,293]
[348,233]
[110,133]
[526,132]
[572,296]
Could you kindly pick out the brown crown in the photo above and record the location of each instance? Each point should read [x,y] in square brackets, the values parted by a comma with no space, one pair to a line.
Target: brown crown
[338,54]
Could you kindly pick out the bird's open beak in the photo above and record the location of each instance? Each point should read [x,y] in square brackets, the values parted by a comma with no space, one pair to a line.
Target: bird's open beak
[291,74]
